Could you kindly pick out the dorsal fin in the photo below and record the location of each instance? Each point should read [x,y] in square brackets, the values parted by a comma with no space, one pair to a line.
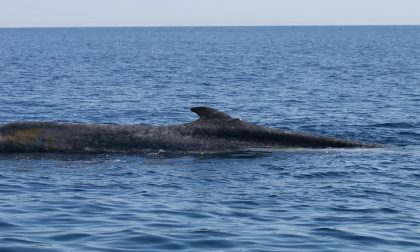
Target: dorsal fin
[206,113]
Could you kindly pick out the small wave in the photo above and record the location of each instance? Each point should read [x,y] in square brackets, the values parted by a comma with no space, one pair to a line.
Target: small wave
[212,244]
[407,133]
[365,210]
[361,238]
[147,238]
[6,225]
[398,125]
[241,202]
[346,235]
[39,248]
[70,237]
[213,232]
[140,241]
[186,213]
[329,174]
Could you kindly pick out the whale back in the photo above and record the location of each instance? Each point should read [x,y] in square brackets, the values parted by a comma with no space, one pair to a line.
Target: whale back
[213,131]
[214,123]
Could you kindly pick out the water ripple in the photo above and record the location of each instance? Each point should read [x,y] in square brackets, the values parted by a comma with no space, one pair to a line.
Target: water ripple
[337,81]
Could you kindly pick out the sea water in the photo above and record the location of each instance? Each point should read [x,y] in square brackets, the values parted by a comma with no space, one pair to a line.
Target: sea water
[359,83]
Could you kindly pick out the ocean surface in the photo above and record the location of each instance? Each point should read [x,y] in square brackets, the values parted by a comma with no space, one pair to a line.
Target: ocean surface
[358,83]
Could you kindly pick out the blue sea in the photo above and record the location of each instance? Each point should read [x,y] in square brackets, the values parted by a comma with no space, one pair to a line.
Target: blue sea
[360,83]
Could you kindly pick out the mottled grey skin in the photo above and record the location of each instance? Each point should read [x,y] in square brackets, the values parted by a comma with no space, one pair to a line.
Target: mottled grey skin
[213,132]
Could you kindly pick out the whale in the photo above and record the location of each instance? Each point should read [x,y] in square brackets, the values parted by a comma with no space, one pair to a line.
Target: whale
[213,132]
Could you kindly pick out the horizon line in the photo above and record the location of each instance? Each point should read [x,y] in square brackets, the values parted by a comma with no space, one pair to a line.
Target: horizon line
[209,26]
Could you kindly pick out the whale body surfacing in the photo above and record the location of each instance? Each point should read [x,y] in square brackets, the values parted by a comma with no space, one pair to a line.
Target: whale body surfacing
[213,132]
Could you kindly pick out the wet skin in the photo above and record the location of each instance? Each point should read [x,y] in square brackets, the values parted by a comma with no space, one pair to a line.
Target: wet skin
[213,132]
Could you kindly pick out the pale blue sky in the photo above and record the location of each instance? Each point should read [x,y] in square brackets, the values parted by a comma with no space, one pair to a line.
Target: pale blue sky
[57,13]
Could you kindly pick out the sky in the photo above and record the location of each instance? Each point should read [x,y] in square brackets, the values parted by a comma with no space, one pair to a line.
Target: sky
[104,13]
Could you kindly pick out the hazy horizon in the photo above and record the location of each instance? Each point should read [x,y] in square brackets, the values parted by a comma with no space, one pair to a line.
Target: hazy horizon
[206,26]
[193,13]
